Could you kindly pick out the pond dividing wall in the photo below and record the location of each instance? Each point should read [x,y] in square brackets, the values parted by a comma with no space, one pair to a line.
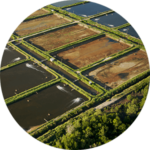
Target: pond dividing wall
[47,104]
[59,70]
[22,77]
[110,20]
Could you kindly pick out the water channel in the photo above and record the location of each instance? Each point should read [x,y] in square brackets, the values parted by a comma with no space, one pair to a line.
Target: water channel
[59,70]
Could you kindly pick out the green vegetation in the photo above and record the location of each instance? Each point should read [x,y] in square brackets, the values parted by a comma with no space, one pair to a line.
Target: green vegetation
[30,91]
[96,127]
[75,4]
[13,64]
[85,126]
[122,26]
[39,16]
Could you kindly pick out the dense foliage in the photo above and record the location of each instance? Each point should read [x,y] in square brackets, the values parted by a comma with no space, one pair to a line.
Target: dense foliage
[96,127]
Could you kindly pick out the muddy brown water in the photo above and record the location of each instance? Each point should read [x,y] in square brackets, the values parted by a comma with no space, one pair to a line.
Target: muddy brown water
[59,70]
[10,56]
[22,77]
[47,104]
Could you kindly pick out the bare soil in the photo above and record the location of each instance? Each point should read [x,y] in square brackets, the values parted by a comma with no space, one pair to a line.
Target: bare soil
[38,12]
[38,24]
[121,70]
[88,53]
[60,37]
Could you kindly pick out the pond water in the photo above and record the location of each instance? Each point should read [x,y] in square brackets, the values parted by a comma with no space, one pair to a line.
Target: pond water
[22,77]
[110,20]
[64,3]
[10,55]
[130,30]
[87,9]
[47,104]
[59,70]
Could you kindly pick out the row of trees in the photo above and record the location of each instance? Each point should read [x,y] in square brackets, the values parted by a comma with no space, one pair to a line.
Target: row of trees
[94,128]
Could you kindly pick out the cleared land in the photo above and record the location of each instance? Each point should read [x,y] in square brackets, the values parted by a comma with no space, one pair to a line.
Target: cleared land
[60,37]
[117,72]
[38,12]
[93,51]
[38,24]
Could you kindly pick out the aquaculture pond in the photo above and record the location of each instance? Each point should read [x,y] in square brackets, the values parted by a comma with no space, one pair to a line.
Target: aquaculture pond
[87,9]
[22,77]
[110,20]
[130,30]
[59,70]
[64,3]
[47,104]
[10,55]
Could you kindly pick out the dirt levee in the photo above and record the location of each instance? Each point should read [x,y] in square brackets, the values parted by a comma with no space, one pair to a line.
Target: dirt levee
[38,12]
[93,51]
[60,37]
[38,24]
[121,70]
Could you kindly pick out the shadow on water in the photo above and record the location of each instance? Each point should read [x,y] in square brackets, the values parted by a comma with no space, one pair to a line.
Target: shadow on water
[47,104]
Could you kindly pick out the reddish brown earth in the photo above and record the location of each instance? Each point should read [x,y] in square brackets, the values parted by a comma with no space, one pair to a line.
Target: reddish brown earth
[60,37]
[91,52]
[38,24]
[117,72]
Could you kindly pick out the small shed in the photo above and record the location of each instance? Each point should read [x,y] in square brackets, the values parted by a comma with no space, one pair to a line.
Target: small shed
[52,59]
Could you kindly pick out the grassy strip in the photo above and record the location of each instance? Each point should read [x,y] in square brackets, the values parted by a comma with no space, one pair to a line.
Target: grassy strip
[86,105]
[114,31]
[39,16]
[35,49]
[111,57]
[19,50]
[122,26]
[35,60]
[14,37]
[50,135]
[58,63]
[75,4]
[72,15]
[76,42]
[30,91]
[100,14]
[13,64]
[46,30]
[79,77]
